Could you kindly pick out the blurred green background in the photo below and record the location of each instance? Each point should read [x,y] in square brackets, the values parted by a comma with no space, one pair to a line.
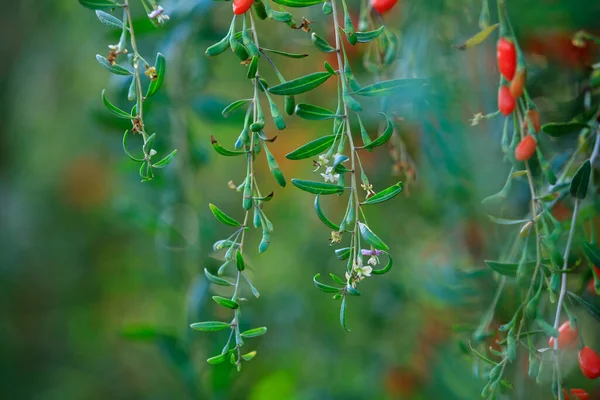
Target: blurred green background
[101,275]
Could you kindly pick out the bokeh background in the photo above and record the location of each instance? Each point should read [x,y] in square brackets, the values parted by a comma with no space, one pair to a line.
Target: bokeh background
[101,275]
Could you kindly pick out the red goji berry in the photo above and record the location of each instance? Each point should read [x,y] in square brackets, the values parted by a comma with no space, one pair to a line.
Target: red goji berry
[382,6]
[518,83]
[241,6]
[579,394]
[525,149]
[589,362]
[506,103]
[507,58]
[567,336]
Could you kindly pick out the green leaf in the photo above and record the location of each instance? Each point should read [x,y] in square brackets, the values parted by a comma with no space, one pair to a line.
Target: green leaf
[127,150]
[337,279]
[165,161]
[322,216]
[222,217]
[371,237]
[365,37]
[385,194]
[274,167]
[285,54]
[581,181]
[506,269]
[385,269]
[558,129]
[313,113]
[317,187]
[218,359]
[209,326]
[218,47]
[504,221]
[217,280]
[343,314]
[222,150]
[249,356]
[385,136]
[343,253]
[115,69]
[114,109]
[323,287]
[298,3]
[160,65]
[251,333]
[98,4]
[109,20]
[281,16]
[592,252]
[239,260]
[234,106]
[300,85]
[590,308]
[313,148]
[392,87]
[252,68]
[321,43]
[227,303]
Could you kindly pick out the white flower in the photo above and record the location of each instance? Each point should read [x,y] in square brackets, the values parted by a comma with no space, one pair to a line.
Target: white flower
[373,260]
[365,271]
[159,16]
[323,159]
[330,176]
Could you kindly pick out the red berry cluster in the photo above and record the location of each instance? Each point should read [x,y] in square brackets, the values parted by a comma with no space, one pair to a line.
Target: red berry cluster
[589,360]
[508,95]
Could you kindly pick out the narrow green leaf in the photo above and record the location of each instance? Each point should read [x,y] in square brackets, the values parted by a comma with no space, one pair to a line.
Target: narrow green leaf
[371,237]
[300,85]
[557,129]
[323,287]
[239,260]
[321,43]
[115,69]
[209,326]
[224,302]
[98,4]
[317,187]
[385,194]
[165,161]
[109,20]
[343,314]
[391,87]
[252,68]
[343,254]
[322,216]
[313,113]
[504,221]
[506,269]
[222,217]
[114,109]
[337,279]
[590,308]
[127,150]
[365,37]
[217,359]
[313,148]
[222,150]
[249,356]
[385,269]
[234,106]
[160,64]
[251,333]
[592,252]
[298,3]
[274,167]
[285,54]
[385,136]
[217,280]
[218,47]
[581,181]
[281,16]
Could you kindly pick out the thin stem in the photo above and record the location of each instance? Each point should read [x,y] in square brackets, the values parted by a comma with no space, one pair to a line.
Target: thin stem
[138,80]
[342,79]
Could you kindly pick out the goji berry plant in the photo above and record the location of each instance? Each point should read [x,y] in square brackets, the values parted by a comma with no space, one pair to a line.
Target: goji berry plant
[543,265]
